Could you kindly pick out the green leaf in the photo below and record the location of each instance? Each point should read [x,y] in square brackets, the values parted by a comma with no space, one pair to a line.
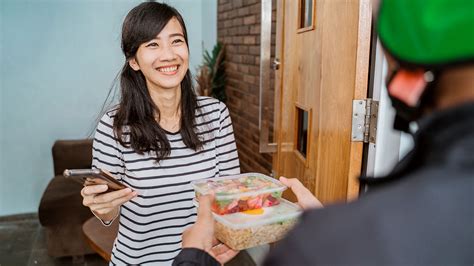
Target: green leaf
[216,76]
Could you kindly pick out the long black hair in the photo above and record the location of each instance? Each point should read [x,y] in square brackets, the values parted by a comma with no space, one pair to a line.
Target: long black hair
[136,110]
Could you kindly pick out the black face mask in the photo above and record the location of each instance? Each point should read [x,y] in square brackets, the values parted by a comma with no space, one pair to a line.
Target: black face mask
[405,114]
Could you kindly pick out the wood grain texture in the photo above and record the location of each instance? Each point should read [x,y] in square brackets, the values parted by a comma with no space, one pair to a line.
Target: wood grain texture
[322,70]
[101,238]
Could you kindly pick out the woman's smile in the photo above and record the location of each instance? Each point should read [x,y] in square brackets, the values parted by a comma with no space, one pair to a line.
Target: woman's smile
[168,70]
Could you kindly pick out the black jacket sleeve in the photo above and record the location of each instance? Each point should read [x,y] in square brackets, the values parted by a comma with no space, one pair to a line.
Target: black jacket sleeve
[194,257]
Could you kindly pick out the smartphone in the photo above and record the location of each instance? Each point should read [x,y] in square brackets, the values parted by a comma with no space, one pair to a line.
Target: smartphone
[89,177]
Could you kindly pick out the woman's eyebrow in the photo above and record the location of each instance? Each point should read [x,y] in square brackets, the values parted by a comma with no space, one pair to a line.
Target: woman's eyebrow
[171,35]
[176,34]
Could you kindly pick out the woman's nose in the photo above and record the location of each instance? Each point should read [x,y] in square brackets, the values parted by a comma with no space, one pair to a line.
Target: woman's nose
[167,53]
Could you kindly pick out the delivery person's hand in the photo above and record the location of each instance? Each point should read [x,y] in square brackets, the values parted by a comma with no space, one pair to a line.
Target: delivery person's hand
[201,234]
[306,199]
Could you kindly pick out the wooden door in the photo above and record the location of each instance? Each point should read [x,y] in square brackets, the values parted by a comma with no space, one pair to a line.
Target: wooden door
[324,67]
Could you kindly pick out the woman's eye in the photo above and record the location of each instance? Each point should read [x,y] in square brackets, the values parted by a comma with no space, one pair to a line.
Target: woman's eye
[153,44]
[177,41]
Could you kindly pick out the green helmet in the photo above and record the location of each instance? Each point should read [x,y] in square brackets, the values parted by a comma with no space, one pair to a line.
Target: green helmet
[428,33]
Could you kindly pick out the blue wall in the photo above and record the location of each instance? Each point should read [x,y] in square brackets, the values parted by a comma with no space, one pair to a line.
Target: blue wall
[58,59]
[209,24]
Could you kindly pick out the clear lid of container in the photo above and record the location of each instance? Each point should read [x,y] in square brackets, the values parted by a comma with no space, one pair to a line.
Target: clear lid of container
[236,186]
[280,213]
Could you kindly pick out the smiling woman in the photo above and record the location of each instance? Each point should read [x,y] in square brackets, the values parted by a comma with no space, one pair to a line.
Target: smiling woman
[158,139]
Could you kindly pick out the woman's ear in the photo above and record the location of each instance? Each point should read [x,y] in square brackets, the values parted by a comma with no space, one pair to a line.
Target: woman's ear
[133,64]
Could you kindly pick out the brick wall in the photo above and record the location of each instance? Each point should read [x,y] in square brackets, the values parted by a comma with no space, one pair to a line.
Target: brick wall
[238,27]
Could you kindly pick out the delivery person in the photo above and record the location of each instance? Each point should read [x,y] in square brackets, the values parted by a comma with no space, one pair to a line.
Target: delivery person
[422,213]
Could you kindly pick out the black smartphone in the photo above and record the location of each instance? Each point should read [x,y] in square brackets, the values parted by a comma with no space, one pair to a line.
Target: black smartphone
[89,177]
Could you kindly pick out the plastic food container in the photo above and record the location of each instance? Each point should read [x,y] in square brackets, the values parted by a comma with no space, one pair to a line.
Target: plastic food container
[241,192]
[242,230]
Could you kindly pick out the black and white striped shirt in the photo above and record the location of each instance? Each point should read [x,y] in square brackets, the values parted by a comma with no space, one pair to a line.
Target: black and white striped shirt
[152,223]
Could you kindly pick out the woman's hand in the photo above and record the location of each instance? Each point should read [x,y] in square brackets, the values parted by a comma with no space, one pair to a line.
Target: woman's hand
[105,205]
[306,199]
[201,234]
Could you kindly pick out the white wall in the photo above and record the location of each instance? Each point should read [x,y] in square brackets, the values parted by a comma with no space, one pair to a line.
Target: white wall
[58,59]
[391,145]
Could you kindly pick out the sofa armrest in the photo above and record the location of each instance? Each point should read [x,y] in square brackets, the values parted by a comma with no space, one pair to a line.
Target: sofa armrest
[61,204]
[71,154]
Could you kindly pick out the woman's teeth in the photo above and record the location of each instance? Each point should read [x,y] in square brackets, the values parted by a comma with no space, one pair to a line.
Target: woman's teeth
[168,69]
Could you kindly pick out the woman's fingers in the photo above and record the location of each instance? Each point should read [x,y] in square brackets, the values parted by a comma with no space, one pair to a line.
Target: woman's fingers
[94,200]
[93,189]
[112,203]
[88,193]
[106,205]
[111,196]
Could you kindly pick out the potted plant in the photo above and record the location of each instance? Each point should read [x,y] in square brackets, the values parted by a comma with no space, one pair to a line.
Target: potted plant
[211,76]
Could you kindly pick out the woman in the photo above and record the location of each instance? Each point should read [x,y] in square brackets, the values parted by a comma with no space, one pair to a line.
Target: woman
[157,140]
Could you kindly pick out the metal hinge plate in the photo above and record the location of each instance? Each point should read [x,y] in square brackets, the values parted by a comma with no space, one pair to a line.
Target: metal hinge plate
[364,120]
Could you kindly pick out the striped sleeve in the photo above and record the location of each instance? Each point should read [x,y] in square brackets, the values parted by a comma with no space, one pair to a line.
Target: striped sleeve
[106,153]
[228,158]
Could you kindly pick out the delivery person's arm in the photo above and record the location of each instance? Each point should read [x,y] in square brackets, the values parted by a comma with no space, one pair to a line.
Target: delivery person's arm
[199,244]
[200,247]
[194,256]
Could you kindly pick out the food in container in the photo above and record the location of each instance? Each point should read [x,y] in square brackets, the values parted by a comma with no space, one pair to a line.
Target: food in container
[243,230]
[241,192]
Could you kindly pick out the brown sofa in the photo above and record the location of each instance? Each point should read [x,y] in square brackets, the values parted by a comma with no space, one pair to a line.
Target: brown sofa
[61,212]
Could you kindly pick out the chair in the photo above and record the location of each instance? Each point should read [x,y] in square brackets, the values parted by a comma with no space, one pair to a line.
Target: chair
[61,212]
